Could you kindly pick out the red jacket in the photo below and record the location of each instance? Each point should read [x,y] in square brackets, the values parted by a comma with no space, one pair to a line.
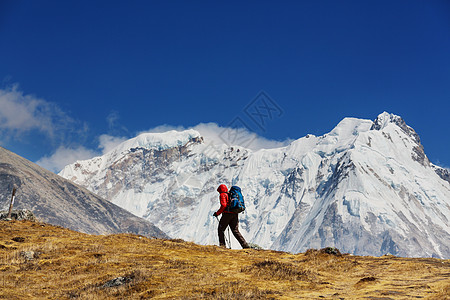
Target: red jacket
[223,197]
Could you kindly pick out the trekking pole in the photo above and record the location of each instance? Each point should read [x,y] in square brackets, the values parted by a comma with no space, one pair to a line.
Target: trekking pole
[229,237]
[227,241]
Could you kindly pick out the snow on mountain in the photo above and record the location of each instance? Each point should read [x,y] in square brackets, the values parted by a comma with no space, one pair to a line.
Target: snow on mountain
[365,187]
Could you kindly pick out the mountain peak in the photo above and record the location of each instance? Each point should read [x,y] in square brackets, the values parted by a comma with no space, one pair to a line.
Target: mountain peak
[160,140]
[384,119]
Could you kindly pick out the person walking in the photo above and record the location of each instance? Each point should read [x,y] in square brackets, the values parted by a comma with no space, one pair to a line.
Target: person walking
[228,219]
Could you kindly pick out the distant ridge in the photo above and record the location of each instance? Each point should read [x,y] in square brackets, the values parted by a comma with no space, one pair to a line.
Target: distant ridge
[58,201]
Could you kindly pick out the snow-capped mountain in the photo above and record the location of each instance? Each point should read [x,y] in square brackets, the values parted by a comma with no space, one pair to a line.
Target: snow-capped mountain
[366,188]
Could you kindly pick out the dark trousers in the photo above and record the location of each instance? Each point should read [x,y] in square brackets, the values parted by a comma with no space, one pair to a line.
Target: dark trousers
[232,220]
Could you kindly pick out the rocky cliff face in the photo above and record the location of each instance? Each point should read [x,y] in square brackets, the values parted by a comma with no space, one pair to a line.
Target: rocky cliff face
[58,201]
[365,187]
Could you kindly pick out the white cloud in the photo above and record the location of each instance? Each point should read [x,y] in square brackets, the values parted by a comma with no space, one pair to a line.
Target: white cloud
[112,119]
[20,114]
[237,136]
[64,156]
[108,142]
[163,128]
[31,119]
[114,125]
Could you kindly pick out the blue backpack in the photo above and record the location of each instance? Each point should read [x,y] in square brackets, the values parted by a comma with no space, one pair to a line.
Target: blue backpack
[237,204]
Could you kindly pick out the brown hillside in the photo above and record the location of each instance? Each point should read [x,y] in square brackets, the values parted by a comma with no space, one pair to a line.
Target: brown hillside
[58,201]
[43,261]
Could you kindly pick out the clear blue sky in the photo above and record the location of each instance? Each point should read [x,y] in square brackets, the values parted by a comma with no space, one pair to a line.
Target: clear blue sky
[82,69]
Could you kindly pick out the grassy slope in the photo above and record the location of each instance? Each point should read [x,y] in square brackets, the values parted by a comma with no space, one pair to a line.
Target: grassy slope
[69,264]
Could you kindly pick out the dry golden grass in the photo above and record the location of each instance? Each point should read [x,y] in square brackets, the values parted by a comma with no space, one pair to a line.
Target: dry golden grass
[67,265]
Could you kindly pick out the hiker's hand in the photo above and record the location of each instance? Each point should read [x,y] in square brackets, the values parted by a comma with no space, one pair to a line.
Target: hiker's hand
[215,214]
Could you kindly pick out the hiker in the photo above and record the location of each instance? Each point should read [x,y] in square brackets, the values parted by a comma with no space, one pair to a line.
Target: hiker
[228,219]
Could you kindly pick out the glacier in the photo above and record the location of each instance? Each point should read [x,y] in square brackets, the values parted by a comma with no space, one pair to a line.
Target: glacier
[366,188]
